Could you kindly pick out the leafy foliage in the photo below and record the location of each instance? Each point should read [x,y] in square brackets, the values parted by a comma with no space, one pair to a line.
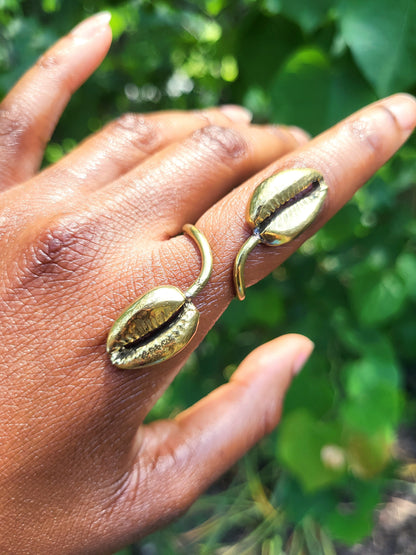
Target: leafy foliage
[352,287]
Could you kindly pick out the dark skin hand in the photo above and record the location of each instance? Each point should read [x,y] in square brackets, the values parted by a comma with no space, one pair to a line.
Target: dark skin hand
[80,241]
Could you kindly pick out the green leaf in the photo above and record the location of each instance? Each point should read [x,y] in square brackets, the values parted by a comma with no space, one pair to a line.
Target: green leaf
[406,268]
[365,374]
[369,454]
[214,7]
[403,336]
[382,37]
[377,296]
[300,504]
[352,521]
[308,15]
[301,442]
[264,45]
[341,228]
[361,340]
[319,401]
[312,93]
[50,6]
[12,5]
[373,411]
[377,195]
[264,306]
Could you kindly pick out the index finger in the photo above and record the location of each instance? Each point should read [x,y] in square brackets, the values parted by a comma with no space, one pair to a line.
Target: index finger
[29,113]
[347,155]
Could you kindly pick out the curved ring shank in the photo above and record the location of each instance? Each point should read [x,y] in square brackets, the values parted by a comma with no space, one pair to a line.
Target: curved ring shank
[239,264]
[206,260]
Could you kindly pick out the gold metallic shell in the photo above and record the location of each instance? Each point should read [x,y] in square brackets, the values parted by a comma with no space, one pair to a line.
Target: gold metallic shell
[281,208]
[160,323]
[154,328]
[286,204]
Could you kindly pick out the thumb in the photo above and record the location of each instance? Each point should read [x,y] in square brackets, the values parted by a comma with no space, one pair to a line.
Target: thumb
[205,440]
[228,422]
[178,459]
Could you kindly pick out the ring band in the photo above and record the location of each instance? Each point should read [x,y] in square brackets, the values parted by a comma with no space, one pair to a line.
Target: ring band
[160,323]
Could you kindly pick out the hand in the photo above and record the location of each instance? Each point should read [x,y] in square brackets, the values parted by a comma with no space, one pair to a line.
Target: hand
[85,237]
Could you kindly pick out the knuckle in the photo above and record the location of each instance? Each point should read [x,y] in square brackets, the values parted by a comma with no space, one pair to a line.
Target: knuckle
[52,69]
[204,116]
[227,144]
[48,61]
[365,134]
[13,125]
[63,248]
[139,131]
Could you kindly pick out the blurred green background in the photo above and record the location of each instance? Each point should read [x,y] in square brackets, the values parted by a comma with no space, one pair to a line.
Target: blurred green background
[314,484]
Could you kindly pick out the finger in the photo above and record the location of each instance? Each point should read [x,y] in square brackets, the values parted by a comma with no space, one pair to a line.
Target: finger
[347,155]
[128,141]
[179,459]
[30,111]
[180,183]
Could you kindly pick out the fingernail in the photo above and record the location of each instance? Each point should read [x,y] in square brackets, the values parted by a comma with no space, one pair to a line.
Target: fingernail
[403,107]
[300,134]
[91,26]
[238,114]
[287,133]
[303,357]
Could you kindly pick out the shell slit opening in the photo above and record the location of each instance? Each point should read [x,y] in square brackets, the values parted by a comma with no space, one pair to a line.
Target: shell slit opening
[140,341]
[303,193]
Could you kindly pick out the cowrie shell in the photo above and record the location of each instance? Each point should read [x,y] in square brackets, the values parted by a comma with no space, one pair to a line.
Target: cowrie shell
[154,328]
[160,323]
[281,208]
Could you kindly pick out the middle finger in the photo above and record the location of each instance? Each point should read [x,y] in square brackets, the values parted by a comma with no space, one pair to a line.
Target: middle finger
[178,184]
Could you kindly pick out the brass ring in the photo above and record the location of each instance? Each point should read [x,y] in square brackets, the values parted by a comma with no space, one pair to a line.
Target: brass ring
[160,323]
[280,208]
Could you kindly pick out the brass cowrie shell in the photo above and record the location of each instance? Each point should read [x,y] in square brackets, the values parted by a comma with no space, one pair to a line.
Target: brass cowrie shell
[160,323]
[154,328]
[281,208]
